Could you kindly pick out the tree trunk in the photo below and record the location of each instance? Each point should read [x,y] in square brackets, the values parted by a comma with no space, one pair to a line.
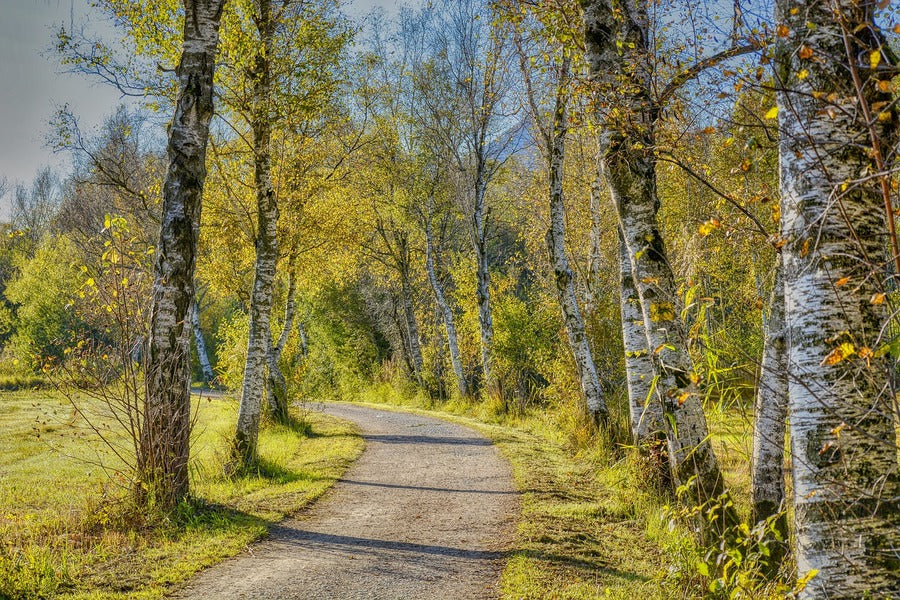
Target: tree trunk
[592,284]
[247,433]
[841,399]
[412,325]
[202,353]
[276,384]
[446,312]
[483,284]
[767,469]
[565,281]
[647,425]
[162,463]
[619,58]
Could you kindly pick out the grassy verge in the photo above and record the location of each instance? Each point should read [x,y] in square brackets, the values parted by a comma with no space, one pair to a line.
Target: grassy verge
[590,527]
[66,529]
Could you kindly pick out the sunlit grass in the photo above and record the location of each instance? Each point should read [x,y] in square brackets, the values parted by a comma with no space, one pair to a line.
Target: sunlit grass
[68,529]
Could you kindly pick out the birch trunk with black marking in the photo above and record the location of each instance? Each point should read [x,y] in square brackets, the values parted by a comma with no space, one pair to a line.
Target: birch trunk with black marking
[162,461]
[556,246]
[767,467]
[276,384]
[259,339]
[483,281]
[645,412]
[200,343]
[616,40]
[841,398]
[446,312]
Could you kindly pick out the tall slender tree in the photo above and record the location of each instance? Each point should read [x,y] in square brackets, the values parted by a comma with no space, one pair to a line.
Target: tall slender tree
[165,441]
[837,123]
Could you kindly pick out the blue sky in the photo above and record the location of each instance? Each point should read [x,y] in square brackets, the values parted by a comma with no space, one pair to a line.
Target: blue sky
[31,85]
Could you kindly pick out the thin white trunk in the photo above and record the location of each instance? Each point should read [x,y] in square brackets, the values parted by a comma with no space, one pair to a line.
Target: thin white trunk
[565,280]
[446,312]
[276,384]
[767,489]
[165,438]
[595,255]
[483,284]
[841,401]
[646,414]
[247,432]
[200,343]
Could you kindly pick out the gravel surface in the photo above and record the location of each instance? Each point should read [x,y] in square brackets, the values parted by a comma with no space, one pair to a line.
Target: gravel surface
[428,511]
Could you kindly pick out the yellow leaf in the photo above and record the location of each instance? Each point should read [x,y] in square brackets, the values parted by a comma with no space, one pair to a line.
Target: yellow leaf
[662,311]
[884,85]
[782,31]
[877,298]
[805,52]
[843,351]
[805,249]
[682,398]
[773,113]
[842,281]
[803,74]
[875,58]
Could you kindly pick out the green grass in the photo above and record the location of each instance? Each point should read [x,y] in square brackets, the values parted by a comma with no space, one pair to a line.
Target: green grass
[590,526]
[67,529]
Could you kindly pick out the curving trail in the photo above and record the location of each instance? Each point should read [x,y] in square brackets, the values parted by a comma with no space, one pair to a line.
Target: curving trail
[427,511]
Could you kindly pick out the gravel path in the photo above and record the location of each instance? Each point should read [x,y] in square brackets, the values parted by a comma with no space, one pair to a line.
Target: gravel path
[427,511]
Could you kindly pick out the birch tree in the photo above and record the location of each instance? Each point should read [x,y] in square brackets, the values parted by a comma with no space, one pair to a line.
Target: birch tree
[553,128]
[259,339]
[619,60]
[165,439]
[837,123]
[474,120]
[770,415]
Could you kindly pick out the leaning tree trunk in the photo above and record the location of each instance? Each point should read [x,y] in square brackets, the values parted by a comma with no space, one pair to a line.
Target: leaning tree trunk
[619,59]
[200,343]
[565,281]
[647,426]
[841,398]
[446,313]
[247,433]
[162,461]
[276,384]
[767,467]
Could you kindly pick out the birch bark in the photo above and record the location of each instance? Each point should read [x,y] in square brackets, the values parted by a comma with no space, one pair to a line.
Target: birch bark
[767,468]
[200,343]
[617,52]
[647,425]
[446,312]
[276,384]
[247,432]
[565,280]
[843,437]
[165,439]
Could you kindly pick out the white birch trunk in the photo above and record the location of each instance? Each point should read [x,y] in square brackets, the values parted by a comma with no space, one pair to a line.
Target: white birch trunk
[165,439]
[841,401]
[619,59]
[595,240]
[276,384]
[247,432]
[565,280]
[645,412]
[483,283]
[767,489]
[446,313]
[200,343]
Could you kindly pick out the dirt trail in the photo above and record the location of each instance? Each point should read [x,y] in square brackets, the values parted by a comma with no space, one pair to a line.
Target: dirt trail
[427,511]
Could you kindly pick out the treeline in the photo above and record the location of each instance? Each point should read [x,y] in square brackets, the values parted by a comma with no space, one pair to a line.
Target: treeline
[618,214]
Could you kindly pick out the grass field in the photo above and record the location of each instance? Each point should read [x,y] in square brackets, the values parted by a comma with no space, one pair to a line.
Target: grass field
[66,529]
